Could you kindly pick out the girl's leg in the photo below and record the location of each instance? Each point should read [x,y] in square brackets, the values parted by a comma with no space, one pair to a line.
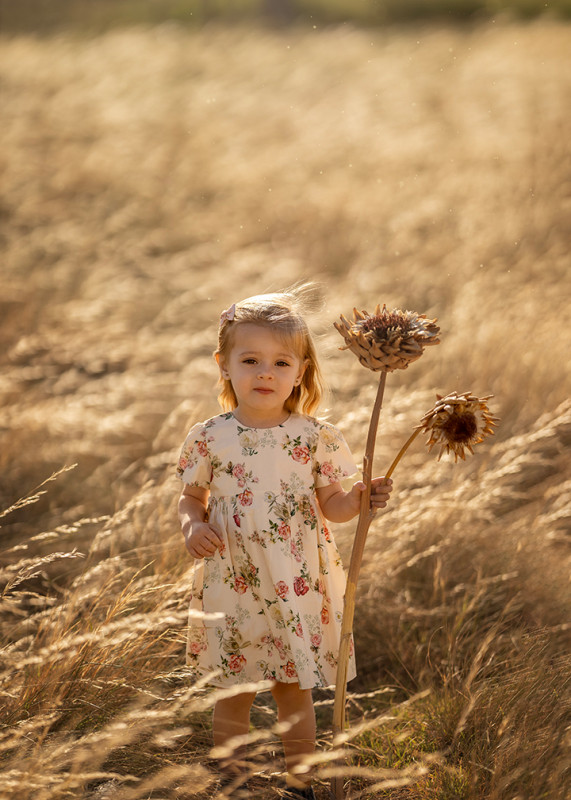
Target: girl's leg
[295,706]
[231,718]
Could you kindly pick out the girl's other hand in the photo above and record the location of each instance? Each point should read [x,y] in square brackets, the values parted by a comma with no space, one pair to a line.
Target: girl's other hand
[202,540]
[380,492]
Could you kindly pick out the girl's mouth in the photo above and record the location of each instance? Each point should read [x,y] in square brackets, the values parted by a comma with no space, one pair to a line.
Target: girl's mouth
[262,390]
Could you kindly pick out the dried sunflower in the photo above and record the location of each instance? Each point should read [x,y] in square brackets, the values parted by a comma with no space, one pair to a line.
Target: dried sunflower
[387,340]
[457,422]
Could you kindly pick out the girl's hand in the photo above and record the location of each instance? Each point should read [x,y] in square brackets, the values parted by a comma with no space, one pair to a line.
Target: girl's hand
[380,493]
[340,506]
[202,540]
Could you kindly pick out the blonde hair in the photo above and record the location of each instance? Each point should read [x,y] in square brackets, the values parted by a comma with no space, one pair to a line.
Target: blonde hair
[282,312]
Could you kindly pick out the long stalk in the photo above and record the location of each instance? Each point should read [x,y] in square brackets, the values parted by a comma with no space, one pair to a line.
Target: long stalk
[365,517]
[401,452]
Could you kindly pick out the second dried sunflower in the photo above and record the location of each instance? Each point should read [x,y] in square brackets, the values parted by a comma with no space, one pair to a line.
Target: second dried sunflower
[457,422]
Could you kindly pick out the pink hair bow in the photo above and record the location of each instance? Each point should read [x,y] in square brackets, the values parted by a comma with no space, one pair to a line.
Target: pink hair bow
[228,314]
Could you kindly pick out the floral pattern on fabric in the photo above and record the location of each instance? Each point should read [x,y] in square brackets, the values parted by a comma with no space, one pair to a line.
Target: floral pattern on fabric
[278,579]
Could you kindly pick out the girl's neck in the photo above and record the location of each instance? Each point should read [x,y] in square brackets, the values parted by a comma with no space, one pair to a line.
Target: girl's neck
[249,420]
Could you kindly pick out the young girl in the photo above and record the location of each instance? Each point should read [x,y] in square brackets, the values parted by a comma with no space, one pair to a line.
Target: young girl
[259,482]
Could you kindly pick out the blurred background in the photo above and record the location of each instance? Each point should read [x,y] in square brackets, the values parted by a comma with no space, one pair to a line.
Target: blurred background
[160,160]
[38,15]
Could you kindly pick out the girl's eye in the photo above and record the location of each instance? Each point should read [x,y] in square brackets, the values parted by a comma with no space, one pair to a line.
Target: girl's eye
[282,364]
[249,361]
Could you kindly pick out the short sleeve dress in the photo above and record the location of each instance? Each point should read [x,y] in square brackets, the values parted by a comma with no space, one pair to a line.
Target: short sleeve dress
[269,605]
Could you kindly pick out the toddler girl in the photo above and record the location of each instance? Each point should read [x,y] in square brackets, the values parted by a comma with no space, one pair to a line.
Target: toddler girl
[260,481]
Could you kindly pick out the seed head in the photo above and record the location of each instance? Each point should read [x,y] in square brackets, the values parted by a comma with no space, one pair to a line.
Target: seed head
[387,340]
[457,422]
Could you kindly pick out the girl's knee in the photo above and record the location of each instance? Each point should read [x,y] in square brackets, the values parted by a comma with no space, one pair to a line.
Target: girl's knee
[239,701]
[290,693]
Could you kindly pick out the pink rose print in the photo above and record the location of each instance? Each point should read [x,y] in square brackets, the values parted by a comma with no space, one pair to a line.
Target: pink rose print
[202,448]
[195,648]
[282,589]
[290,670]
[240,585]
[236,519]
[300,587]
[299,630]
[183,464]
[284,530]
[300,454]
[280,647]
[246,497]
[325,616]
[326,533]
[316,640]
[239,473]
[328,471]
[295,552]
[236,663]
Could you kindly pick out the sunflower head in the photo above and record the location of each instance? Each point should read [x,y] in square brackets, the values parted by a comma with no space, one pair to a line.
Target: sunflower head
[457,422]
[387,340]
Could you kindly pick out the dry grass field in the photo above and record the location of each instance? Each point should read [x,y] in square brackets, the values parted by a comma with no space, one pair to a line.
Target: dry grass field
[149,178]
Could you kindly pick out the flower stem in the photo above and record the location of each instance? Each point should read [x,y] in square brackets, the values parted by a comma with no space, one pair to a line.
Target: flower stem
[401,452]
[365,517]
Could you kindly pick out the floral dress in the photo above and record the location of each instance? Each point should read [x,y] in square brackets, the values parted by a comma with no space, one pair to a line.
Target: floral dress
[268,606]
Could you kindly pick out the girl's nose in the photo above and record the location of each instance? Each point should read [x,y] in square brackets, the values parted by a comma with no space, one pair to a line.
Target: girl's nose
[265,371]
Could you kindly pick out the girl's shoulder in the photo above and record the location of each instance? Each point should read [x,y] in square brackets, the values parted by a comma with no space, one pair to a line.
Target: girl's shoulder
[199,429]
[317,425]
[327,442]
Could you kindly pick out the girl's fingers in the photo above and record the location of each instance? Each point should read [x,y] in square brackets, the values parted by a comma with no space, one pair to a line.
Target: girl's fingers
[215,537]
[386,484]
[381,491]
[380,497]
[207,546]
[202,552]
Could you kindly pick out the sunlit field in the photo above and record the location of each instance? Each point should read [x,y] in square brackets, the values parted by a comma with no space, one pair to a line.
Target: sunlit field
[150,178]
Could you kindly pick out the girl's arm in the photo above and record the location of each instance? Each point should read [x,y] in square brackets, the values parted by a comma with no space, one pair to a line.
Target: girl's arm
[340,506]
[200,537]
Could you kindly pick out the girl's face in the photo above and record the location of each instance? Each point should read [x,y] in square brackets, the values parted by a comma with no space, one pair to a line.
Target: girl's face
[263,370]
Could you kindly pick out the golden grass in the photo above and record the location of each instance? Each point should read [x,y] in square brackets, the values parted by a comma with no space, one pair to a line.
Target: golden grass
[152,177]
